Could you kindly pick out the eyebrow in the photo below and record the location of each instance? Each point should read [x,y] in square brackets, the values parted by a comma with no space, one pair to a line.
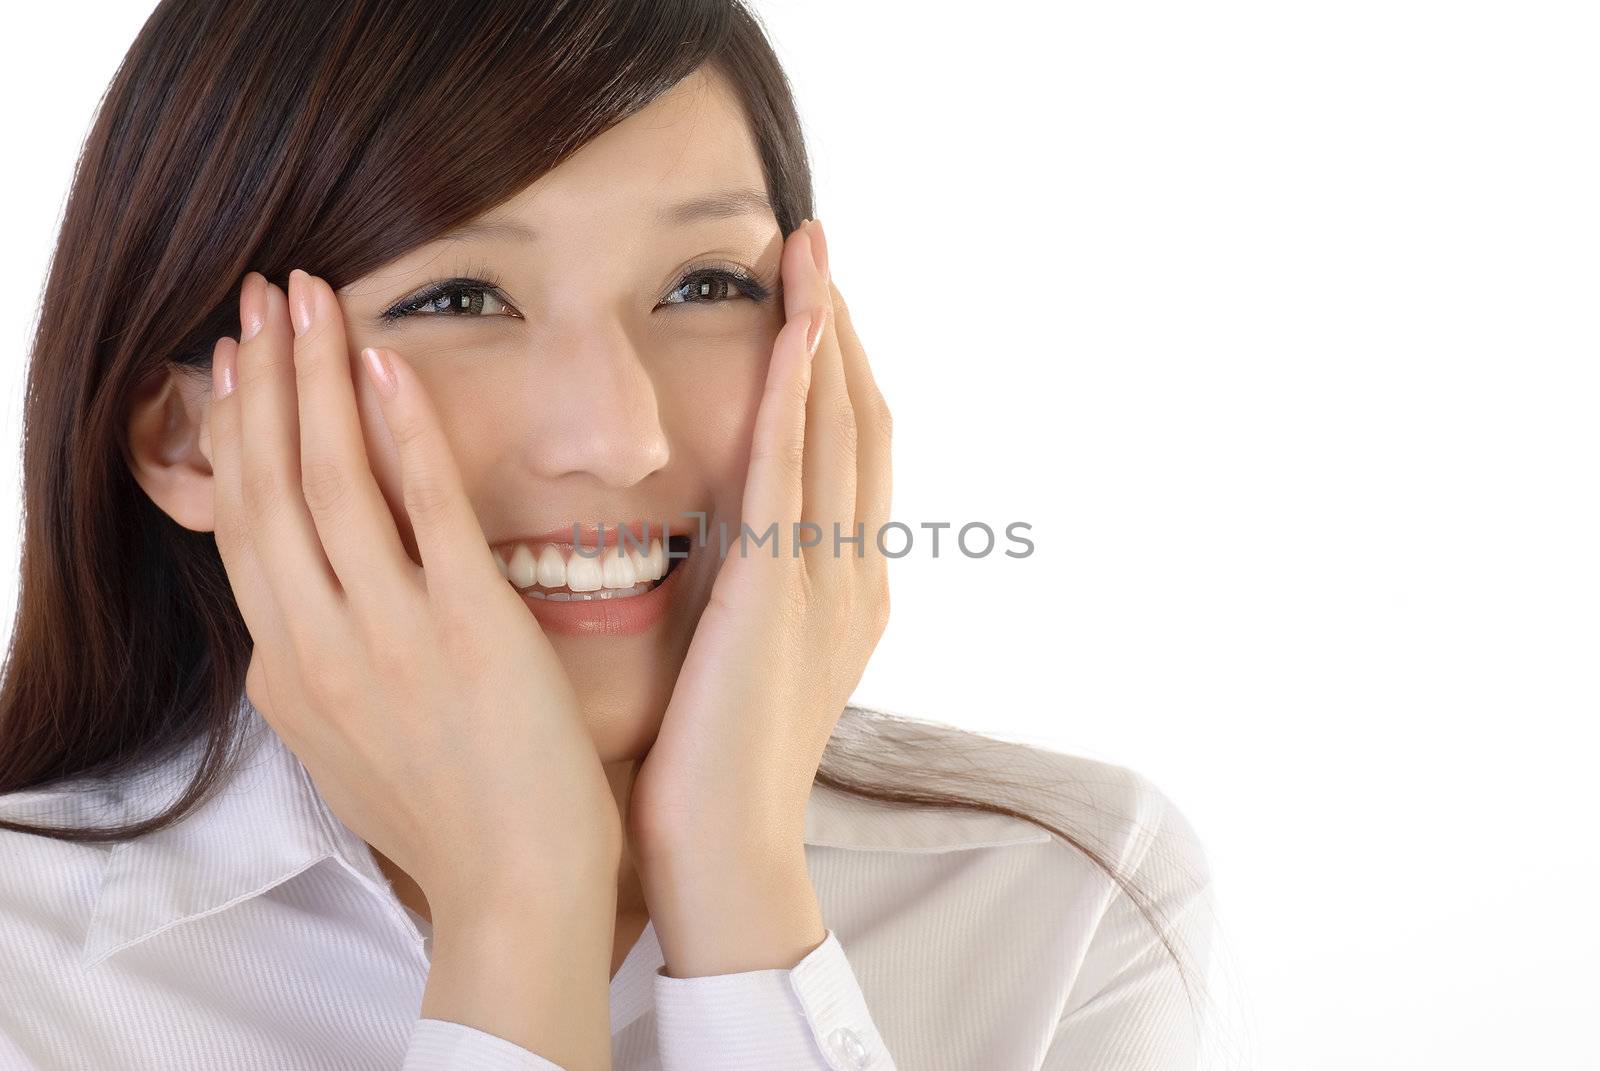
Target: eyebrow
[724,205]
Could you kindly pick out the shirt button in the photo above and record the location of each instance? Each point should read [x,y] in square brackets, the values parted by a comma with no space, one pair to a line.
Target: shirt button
[846,1044]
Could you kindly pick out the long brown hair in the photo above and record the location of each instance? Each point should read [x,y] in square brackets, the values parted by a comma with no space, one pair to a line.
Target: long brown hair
[268,134]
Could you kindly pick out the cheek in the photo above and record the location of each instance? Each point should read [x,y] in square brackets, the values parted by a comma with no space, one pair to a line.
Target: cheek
[384,459]
[712,417]
[707,399]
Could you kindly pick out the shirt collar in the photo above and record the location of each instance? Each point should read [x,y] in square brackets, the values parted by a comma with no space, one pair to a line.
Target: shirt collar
[267,822]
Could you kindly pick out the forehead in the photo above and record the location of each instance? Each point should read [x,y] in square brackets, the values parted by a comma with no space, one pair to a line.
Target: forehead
[692,139]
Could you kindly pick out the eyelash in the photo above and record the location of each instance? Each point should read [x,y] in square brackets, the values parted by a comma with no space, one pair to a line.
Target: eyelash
[484,281]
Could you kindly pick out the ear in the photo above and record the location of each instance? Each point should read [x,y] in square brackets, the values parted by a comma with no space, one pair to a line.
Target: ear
[169,444]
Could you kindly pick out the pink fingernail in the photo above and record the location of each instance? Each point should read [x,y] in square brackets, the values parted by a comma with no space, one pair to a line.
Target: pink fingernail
[819,248]
[380,371]
[819,320]
[252,305]
[300,300]
[222,358]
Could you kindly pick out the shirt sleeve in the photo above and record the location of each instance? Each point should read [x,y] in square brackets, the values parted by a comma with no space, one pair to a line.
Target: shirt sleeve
[441,1045]
[810,1017]
[1131,1006]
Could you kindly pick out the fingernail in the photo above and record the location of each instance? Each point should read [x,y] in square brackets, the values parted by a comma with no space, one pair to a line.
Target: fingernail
[380,370]
[301,301]
[819,247]
[819,320]
[222,367]
[252,305]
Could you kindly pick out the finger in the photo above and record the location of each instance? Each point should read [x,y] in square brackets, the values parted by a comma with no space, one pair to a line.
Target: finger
[874,424]
[282,536]
[456,560]
[829,495]
[352,518]
[777,447]
[252,592]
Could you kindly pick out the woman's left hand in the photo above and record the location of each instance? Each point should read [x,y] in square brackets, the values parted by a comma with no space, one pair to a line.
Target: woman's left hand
[718,804]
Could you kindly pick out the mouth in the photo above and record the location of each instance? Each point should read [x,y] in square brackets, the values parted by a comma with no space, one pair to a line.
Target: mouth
[612,591]
[562,573]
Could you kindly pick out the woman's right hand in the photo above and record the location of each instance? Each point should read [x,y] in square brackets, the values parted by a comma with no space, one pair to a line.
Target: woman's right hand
[426,703]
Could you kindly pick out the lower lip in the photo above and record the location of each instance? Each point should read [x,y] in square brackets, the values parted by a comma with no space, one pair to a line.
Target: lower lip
[606,617]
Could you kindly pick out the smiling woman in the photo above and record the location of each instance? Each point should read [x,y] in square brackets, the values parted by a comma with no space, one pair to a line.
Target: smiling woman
[377,697]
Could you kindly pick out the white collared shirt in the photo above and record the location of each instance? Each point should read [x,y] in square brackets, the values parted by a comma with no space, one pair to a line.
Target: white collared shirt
[259,933]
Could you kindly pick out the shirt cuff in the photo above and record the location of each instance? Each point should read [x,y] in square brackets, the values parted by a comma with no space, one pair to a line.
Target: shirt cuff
[441,1045]
[811,1017]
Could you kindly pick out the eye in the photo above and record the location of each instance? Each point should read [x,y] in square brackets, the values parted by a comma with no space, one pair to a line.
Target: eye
[454,297]
[481,297]
[712,286]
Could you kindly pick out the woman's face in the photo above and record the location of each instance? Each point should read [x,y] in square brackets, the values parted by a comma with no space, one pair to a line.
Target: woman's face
[604,378]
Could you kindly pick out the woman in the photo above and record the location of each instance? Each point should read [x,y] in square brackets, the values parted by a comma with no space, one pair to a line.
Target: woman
[343,724]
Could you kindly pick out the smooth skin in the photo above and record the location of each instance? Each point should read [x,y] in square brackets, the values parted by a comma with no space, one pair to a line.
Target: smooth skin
[604,379]
[358,649]
[586,396]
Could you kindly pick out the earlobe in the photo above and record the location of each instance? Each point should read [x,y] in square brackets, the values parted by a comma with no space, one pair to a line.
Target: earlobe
[169,446]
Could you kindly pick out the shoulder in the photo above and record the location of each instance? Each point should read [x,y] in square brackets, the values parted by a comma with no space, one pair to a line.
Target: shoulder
[1095,810]
[1090,864]
[1119,810]
[1130,877]
[66,805]
[49,885]
[69,805]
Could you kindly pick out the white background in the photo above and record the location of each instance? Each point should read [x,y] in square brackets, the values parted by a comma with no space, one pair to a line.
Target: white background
[1277,321]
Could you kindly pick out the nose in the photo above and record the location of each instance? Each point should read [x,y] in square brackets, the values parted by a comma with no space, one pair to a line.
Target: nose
[598,411]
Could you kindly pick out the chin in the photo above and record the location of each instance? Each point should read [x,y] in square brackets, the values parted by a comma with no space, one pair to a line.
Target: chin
[624,683]
[623,686]
[624,734]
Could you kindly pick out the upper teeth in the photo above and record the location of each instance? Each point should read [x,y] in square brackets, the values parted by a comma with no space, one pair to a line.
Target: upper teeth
[555,565]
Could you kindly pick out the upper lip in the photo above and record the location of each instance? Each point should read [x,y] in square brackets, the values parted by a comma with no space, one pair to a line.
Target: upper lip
[590,535]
